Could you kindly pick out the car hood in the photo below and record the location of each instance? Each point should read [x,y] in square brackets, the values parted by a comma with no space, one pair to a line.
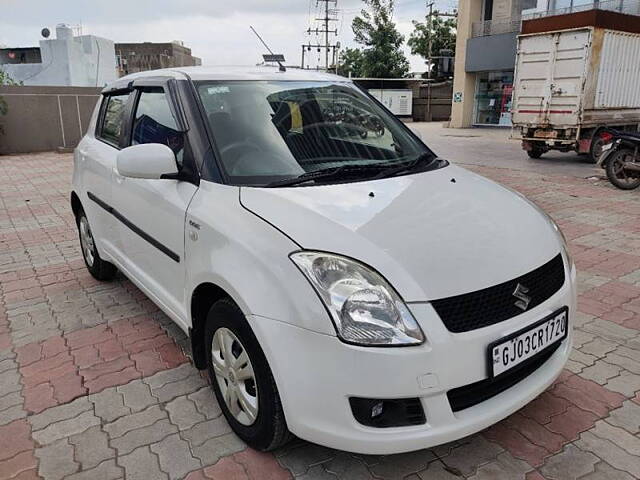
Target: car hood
[431,235]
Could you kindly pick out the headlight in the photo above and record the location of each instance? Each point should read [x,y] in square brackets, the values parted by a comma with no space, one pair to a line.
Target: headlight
[365,309]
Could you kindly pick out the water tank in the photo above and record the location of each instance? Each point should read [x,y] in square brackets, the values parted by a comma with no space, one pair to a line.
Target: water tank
[64,32]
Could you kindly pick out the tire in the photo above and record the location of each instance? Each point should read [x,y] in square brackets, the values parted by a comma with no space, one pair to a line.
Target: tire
[536,151]
[263,428]
[595,149]
[98,268]
[616,174]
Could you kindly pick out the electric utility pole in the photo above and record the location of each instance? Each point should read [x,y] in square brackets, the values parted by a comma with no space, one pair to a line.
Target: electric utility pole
[430,27]
[329,15]
[430,16]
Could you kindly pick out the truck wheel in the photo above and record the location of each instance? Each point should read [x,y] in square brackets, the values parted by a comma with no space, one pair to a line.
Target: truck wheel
[242,380]
[536,151]
[616,173]
[595,150]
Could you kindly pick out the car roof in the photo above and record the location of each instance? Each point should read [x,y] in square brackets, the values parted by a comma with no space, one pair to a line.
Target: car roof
[228,73]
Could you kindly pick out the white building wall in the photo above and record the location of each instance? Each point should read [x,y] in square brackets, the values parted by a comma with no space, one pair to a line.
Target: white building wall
[84,61]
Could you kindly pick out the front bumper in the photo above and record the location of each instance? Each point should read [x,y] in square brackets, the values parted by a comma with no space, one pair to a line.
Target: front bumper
[316,374]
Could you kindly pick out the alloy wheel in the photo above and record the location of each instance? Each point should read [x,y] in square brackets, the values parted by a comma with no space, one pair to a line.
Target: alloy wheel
[86,241]
[235,376]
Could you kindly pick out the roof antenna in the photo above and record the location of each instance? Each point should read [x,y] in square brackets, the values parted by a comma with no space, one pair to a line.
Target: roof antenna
[272,57]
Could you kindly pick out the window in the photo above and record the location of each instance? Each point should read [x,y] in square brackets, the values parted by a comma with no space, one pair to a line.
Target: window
[113,118]
[154,122]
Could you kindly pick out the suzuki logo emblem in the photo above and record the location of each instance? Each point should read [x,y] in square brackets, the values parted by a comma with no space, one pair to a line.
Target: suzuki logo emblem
[523,299]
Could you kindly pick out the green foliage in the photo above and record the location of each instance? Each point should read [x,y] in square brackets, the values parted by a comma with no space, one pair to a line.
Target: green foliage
[5,79]
[381,55]
[442,34]
[351,60]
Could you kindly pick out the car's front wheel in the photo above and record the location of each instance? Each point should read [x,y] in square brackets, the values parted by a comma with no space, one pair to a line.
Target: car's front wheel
[98,268]
[242,380]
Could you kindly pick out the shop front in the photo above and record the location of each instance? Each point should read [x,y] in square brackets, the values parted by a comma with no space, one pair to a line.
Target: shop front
[493,98]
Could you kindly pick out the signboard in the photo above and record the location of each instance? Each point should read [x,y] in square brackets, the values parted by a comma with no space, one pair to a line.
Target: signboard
[457,97]
[398,101]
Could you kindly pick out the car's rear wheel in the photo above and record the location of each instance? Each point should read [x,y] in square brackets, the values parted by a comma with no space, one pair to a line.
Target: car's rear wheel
[98,268]
[242,380]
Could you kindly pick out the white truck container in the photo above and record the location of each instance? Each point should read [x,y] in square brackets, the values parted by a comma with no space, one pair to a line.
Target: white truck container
[569,84]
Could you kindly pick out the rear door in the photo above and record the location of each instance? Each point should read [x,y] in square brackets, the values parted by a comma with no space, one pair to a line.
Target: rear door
[550,74]
[153,211]
[97,153]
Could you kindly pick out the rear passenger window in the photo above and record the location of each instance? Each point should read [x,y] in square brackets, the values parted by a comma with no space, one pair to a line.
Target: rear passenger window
[154,122]
[113,118]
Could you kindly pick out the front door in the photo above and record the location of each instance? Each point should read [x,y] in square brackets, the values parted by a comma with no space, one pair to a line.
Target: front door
[153,211]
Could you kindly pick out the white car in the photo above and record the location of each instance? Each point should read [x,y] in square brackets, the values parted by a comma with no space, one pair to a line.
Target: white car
[338,280]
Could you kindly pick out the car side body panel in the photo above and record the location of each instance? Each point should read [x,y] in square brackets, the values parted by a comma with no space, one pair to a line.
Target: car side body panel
[249,259]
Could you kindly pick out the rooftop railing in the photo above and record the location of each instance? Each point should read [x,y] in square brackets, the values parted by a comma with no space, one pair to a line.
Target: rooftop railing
[495,27]
[630,7]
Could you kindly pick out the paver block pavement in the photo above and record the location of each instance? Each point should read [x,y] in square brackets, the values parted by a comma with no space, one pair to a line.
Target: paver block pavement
[95,382]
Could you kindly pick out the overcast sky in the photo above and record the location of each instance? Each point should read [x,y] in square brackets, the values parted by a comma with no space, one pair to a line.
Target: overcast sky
[215,30]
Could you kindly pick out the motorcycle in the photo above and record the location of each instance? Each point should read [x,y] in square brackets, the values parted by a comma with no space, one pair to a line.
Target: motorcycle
[621,158]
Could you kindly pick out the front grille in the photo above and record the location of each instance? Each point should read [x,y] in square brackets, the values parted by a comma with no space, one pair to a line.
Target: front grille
[482,308]
[474,393]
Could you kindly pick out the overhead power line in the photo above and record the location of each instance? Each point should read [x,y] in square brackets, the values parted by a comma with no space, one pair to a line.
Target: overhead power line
[430,16]
[325,28]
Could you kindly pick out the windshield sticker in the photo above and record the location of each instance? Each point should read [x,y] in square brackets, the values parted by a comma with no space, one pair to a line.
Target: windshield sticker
[217,90]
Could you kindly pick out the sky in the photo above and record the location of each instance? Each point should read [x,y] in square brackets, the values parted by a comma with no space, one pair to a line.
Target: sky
[216,30]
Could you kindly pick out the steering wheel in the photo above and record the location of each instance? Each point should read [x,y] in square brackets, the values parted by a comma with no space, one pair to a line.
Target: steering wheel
[233,152]
[243,157]
[349,127]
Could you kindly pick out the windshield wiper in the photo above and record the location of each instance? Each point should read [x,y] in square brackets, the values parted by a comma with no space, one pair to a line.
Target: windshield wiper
[407,166]
[321,174]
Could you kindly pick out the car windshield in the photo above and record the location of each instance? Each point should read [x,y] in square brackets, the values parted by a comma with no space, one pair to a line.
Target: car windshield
[268,132]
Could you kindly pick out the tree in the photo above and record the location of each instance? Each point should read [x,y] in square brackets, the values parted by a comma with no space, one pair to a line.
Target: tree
[351,62]
[375,30]
[442,35]
[5,79]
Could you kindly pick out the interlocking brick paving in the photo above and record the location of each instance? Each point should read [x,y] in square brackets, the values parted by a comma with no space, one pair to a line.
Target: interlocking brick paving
[95,382]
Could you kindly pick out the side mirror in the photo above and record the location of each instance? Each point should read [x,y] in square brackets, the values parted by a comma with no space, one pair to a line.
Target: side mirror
[416,132]
[149,160]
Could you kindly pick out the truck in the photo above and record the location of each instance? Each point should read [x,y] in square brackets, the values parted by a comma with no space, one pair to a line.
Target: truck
[572,83]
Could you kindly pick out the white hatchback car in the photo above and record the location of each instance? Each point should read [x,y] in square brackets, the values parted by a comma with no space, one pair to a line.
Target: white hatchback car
[337,279]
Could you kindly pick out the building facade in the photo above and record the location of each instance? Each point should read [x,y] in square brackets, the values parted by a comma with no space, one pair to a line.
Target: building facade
[140,57]
[67,60]
[486,52]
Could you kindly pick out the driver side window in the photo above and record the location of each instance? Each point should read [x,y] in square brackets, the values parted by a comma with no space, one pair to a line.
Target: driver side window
[154,122]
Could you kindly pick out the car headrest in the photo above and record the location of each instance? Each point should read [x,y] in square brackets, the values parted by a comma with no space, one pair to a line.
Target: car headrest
[281,117]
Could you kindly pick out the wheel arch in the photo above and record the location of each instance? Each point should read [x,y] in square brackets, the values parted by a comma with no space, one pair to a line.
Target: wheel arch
[76,204]
[202,298]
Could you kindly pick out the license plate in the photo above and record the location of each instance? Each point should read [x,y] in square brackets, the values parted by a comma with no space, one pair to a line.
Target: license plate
[545,134]
[514,349]
[606,146]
